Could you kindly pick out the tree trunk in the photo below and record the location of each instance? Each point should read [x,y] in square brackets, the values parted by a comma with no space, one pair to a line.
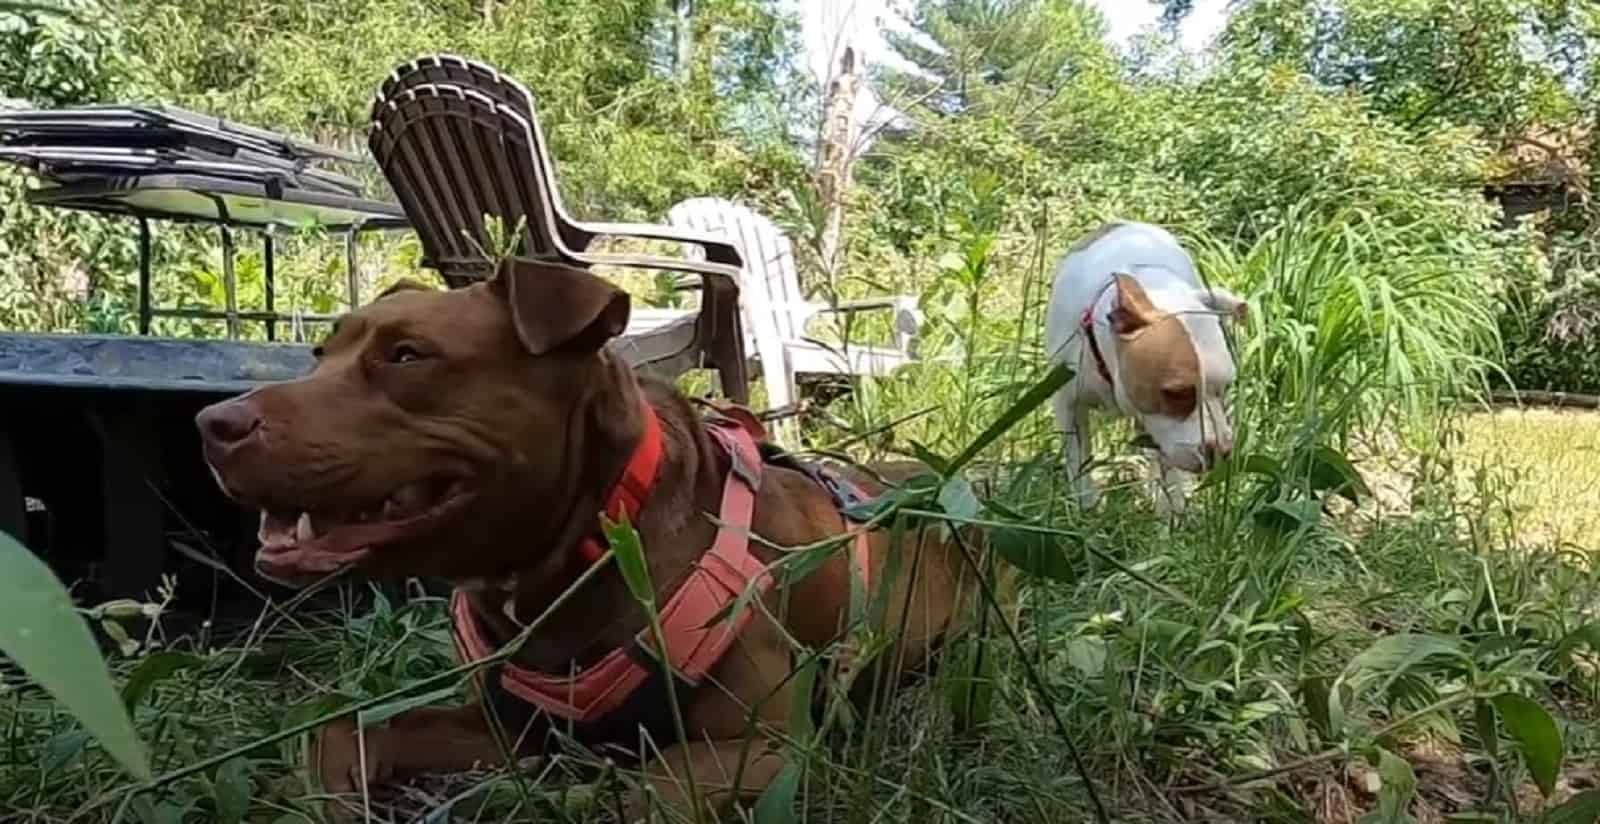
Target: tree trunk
[683,38]
[835,156]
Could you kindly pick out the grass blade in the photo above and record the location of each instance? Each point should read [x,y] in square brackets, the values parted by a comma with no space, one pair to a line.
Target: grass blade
[42,631]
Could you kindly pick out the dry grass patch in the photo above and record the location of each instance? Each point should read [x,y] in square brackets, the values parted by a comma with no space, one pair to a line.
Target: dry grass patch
[1553,458]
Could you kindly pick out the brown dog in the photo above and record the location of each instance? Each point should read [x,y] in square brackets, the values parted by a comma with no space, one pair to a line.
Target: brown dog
[475,435]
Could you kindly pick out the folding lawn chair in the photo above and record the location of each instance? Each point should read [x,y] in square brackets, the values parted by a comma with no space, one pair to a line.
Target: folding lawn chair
[458,142]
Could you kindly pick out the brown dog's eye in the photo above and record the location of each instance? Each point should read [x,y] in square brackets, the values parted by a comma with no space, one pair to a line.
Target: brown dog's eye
[404,353]
[316,351]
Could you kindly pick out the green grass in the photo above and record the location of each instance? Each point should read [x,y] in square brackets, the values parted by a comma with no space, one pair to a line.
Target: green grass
[1197,679]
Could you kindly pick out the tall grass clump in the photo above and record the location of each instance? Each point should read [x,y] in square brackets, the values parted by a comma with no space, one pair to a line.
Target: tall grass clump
[1399,315]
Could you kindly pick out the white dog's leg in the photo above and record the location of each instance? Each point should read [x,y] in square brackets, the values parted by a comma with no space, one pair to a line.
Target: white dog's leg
[1073,418]
[1169,487]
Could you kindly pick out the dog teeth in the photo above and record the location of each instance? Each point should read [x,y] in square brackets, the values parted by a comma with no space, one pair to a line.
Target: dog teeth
[302,528]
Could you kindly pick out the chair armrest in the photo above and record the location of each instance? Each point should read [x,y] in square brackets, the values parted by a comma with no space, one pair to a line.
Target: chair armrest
[702,269]
[718,249]
[908,318]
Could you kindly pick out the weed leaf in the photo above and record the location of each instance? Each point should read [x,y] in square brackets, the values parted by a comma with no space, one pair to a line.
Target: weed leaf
[1035,553]
[1488,733]
[1536,732]
[1289,516]
[957,498]
[1399,782]
[1087,655]
[153,670]
[42,632]
[1583,808]
[777,802]
[232,790]
[1333,472]
[629,552]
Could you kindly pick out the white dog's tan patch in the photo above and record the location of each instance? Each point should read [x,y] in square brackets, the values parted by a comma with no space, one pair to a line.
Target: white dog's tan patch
[1159,365]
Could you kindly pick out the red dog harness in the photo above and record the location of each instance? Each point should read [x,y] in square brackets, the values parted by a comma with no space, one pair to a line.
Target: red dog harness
[696,638]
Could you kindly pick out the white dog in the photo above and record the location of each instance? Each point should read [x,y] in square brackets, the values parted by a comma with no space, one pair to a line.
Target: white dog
[1129,314]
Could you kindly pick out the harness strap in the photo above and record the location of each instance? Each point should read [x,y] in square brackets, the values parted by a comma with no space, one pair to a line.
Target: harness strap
[695,633]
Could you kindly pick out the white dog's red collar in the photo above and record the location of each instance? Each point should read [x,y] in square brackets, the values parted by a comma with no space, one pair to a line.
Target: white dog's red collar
[1087,325]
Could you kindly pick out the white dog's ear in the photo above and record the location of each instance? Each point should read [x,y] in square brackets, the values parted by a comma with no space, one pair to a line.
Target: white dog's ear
[1226,303]
[1133,310]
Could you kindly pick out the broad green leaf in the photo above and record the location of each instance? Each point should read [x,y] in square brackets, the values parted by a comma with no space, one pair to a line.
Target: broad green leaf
[1536,732]
[1333,472]
[1583,808]
[910,492]
[232,790]
[1036,553]
[386,711]
[957,498]
[1030,400]
[777,802]
[153,670]
[1397,654]
[1399,783]
[629,554]
[46,636]
[1289,516]
[1087,655]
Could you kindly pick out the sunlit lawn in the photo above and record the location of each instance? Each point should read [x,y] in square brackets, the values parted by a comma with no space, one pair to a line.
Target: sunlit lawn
[1555,456]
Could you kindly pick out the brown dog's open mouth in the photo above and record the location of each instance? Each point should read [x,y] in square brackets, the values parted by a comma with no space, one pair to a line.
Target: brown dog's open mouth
[300,544]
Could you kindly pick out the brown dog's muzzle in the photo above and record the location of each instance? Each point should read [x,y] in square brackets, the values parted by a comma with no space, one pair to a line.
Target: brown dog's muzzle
[323,505]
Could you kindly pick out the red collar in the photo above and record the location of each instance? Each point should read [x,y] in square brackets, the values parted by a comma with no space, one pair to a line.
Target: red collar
[1087,326]
[631,490]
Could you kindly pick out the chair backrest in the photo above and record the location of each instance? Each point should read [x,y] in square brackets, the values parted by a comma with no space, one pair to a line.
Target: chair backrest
[454,155]
[771,284]
[455,70]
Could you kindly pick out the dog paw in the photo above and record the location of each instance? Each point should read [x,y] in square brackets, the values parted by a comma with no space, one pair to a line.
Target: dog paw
[345,764]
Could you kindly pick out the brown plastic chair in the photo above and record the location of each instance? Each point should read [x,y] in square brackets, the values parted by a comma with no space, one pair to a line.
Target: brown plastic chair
[458,141]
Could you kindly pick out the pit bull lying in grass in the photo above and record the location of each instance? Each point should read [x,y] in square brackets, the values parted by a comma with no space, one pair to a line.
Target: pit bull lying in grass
[1129,314]
[476,435]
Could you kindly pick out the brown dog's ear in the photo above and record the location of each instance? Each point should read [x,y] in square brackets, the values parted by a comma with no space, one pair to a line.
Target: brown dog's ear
[557,307]
[1133,311]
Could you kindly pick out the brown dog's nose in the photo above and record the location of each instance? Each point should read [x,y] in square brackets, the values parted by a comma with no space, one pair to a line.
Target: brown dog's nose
[229,423]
